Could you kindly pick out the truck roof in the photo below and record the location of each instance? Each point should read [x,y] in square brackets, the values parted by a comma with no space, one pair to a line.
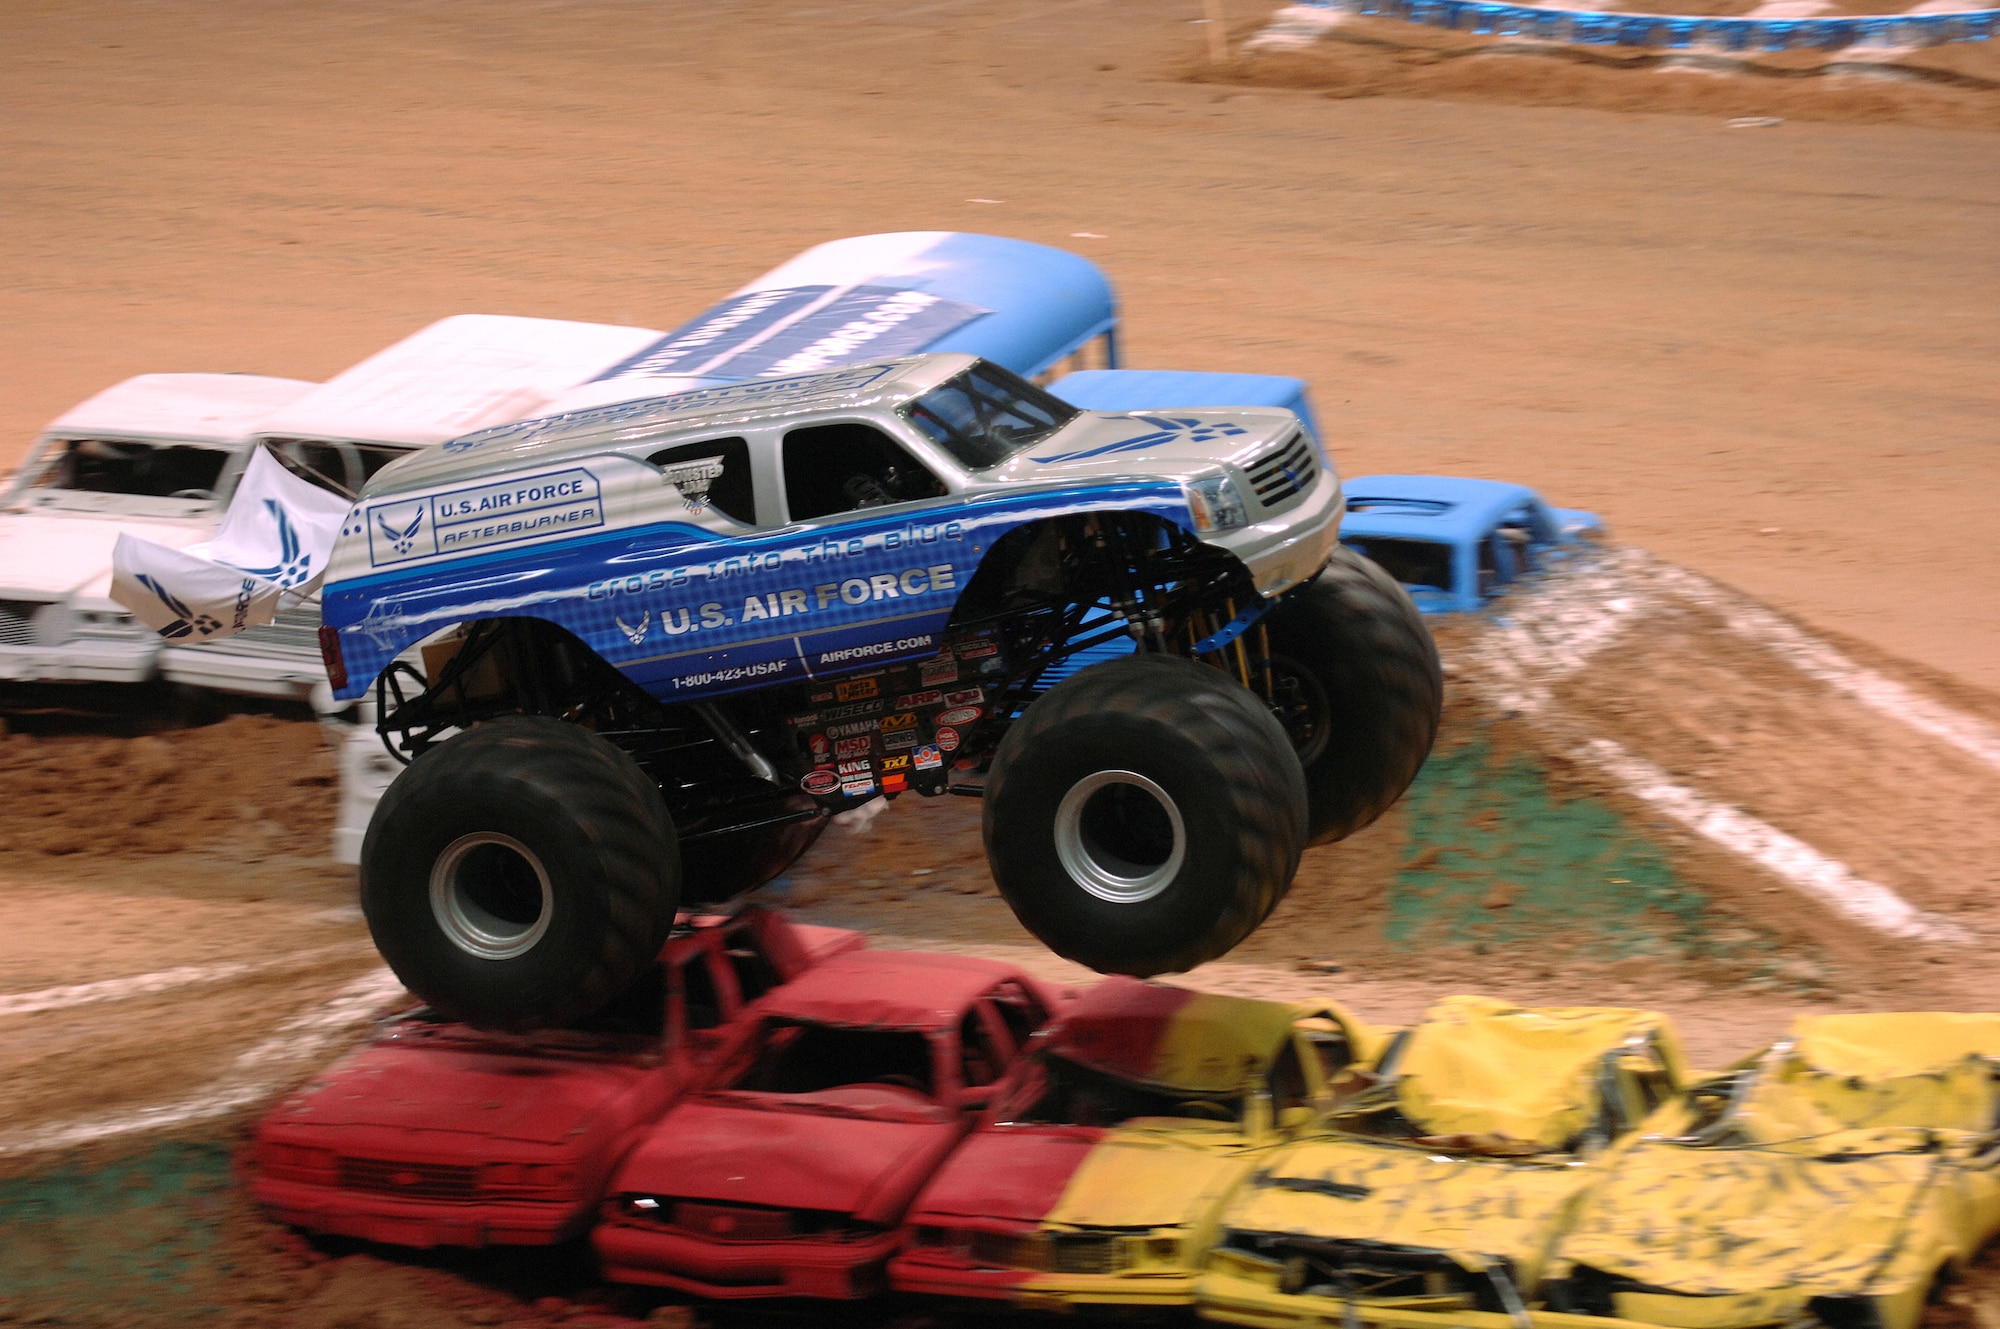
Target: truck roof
[729,405]
[1428,507]
[457,375]
[871,297]
[1170,389]
[220,408]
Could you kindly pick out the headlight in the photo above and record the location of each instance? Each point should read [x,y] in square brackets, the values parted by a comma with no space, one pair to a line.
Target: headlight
[1216,505]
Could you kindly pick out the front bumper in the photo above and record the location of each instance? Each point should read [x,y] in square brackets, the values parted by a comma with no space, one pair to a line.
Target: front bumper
[1232,1299]
[253,674]
[419,1223]
[949,1274]
[808,1267]
[81,660]
[1290,548]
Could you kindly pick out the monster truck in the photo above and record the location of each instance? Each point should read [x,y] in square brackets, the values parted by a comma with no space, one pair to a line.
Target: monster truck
[665,639]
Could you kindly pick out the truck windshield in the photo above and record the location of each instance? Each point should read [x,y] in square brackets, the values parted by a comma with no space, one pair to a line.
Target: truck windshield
[144,470]
[987,414]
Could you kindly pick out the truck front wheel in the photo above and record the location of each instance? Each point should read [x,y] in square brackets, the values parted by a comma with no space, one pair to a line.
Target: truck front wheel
[521,875]
[1358,688]
[1144,815]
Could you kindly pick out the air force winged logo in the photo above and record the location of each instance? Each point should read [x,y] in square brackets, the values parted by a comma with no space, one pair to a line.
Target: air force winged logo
[293,567]
[1166,429]
[635,634]
[402,537]
[186,621]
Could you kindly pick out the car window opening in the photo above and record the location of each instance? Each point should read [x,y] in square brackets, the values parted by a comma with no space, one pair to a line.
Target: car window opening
[848,467]
[1411,562]
[714,473]
[798,1058]
[980,1061]
[1076,1095]
[698,988]
[987,414]
[141,470]
[755,974]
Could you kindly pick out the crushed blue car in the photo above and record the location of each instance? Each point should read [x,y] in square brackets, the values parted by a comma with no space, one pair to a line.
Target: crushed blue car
[1454,543]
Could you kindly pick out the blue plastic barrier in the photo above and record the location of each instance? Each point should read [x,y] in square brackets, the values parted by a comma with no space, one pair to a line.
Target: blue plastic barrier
[1673,32]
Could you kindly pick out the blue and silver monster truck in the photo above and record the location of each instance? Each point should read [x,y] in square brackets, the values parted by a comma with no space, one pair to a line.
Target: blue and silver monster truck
[664,640]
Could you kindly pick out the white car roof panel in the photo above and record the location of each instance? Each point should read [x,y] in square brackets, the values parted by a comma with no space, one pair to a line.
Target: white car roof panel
[223,408]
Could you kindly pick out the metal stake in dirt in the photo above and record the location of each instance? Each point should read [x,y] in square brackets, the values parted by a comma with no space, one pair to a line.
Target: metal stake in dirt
[1218,32]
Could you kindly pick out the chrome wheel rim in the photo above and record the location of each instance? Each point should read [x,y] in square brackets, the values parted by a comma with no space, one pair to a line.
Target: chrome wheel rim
[491,896]
[1120,836]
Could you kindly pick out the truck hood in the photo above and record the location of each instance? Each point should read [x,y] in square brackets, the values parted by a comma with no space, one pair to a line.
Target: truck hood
[1175,444]
[48,554]
[1015,1174]
[476,1096]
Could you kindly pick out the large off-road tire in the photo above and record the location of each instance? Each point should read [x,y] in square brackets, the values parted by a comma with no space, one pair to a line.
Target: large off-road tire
[1359,691]
[521,875]
[721,867]
[1144,815]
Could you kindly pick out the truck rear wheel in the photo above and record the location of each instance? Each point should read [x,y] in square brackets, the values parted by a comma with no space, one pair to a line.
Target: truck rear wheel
[521,875]
[1144,815]
[1359,690]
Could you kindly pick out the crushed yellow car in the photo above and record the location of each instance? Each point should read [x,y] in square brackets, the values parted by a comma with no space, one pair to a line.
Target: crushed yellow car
[1839,1178]
[1438,1197]
[1097,1179]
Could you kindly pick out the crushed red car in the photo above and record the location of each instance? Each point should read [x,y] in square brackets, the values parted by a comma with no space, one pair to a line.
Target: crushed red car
[839,1095]
[439,1134]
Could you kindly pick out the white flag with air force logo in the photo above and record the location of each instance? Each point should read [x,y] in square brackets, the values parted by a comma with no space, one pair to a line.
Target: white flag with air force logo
[273,546]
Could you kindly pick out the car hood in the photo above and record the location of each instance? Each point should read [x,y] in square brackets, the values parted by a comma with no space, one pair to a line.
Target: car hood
[1146,1178]
[439,1092]
[1396,1196]
[1719,1222]
[1010,1173]
[1175,444]
[50,553]
[788,1159]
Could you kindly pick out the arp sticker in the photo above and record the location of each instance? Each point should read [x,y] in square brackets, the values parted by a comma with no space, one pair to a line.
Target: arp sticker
[857,689]
[820,782]
[927,759]
[938,671]
[896,763]
[959,715]
[968,697]
[853,747]
[910,701]
[947,739]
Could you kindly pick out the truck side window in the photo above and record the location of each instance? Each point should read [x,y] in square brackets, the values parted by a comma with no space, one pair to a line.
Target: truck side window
[847,467]
[714,473]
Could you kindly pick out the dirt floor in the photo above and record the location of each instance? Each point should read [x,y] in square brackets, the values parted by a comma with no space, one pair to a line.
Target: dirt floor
[1764,355]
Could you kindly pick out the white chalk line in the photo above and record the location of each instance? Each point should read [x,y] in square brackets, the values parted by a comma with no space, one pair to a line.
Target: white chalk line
[164,980]
[252,1075]
[1561,624]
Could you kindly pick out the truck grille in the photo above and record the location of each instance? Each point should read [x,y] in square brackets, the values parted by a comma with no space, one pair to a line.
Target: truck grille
[1286,472]
[1001,1250]
[17,621]
[1086,1255]
[423,1181]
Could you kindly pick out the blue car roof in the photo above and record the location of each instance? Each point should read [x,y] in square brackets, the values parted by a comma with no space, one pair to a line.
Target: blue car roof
[1427,507]
[871,297]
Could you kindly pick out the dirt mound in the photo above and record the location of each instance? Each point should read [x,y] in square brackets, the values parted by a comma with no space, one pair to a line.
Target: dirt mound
[1956,87]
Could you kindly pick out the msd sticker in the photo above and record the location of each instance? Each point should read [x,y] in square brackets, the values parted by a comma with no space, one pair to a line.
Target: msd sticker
[853,747]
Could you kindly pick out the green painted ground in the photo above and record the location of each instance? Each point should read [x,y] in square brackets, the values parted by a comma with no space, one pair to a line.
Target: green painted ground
[140,1236]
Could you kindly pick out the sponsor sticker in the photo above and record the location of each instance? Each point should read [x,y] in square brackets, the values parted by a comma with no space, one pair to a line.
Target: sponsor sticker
[819,697]
[855,708]
[938,671]
[975,650]
[909,701]
[896,763]
[895,784]
[959,715]
[853,747]
[969,697]
[947,739]
[851,728]
[898,741]
[806,721]
[820,782]
[853,768]
[857,689]
[927,759]
[857,788]
[817,745]
[891,724]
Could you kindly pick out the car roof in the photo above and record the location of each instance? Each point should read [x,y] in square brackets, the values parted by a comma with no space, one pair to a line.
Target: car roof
[1156,1034]
[887,989]
[457,375]
[728,405]
[871,297]
[1428,507]
[223,408]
